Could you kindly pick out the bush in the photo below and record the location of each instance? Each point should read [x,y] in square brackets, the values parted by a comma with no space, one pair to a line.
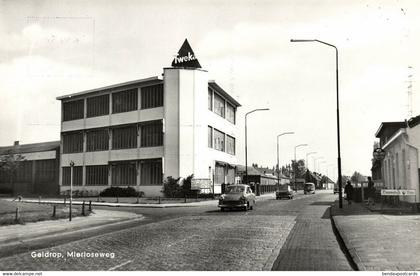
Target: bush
[172,189]
[121,192]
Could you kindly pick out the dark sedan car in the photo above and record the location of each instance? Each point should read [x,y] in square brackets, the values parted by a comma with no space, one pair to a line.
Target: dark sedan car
[284,191]
[237,196]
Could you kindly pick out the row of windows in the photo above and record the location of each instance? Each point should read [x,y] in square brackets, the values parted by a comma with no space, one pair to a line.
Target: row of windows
[122,138]
[38,171]
[124,101]
[122,174]
[221,107]
[221,141]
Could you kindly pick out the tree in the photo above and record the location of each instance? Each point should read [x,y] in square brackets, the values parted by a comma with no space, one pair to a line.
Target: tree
[299,168]
[356,177]
[9,164]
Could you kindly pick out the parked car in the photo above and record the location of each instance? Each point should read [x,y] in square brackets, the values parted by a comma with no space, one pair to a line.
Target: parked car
[237,196]
[285,191]
[337,189]
[309,188]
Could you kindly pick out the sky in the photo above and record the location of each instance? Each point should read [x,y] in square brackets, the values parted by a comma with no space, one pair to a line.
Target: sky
[53,48]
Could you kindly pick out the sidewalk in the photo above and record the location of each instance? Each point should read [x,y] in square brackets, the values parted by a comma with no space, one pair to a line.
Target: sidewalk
[142,205]
[11,235]
[377,241]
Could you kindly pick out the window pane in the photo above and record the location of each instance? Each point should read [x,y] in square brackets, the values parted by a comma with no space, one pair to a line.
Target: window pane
[97,140]
[210,99]
[77,176]
[151,134]
[210,137]
[152,96]
[73,142]
[151,172]
[24,171]
[124,174]
[219,105]
[219,140]
[230,145]
[97,106]
[45,170]
[124,101]
[97,175]
[124,137]
[73,110]
[230,113]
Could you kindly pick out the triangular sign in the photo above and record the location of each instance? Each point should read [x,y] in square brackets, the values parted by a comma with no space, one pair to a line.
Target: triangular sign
[186,57]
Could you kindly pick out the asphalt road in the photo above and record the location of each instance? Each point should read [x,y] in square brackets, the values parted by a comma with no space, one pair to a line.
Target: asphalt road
[277,235]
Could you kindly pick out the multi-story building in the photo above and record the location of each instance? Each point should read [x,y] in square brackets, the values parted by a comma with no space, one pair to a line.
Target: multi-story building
[400,166]
[138,133]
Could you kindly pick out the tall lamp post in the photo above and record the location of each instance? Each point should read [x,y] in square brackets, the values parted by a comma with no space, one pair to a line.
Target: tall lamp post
[294,170]
[340,194]
[246,139]
[309,153]
[278,165]
[71,188]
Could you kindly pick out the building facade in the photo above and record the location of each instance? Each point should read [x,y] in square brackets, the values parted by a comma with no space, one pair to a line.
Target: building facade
[36,173]
[400,166]
[140,132]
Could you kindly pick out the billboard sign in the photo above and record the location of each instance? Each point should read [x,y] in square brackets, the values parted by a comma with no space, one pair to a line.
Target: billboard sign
[200,183]
[186,57]
[394,192]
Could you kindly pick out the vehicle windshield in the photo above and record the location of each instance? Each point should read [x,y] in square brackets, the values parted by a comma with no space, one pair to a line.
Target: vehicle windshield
[235,189]
[309,186]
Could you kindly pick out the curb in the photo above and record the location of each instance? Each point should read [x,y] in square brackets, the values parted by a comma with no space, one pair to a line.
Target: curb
[109,204]
[349,252]
[269,265]
[137,205]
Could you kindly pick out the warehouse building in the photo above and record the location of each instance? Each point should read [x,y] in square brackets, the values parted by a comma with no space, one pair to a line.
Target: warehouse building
[138,133]
[35,170]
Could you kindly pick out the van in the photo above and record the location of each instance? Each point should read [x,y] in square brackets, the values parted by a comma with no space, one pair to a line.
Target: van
[309,188]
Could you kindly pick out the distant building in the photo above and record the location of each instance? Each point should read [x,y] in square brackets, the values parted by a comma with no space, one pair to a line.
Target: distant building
[267,181]
[400,165]
[138,133]
[37,173]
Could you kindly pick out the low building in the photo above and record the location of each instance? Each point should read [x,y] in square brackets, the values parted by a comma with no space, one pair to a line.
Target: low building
[139,132]
[266,182]
[400,142]
[36,173]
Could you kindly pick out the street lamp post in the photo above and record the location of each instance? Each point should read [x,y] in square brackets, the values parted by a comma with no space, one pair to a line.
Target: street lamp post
[246,140]
[278,163]
[294,168]
[340,194]
[309,153]
[71,188]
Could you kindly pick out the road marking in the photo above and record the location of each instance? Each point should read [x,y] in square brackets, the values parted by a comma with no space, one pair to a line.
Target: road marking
[120,265]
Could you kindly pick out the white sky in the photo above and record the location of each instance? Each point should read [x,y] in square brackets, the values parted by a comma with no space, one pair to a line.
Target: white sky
[52,48]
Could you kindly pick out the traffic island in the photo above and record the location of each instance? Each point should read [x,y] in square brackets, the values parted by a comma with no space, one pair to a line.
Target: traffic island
[19,212]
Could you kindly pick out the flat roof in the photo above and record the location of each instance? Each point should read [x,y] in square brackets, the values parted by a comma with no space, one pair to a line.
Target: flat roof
[389,124]
[151,79]
[28,148]
[223,93]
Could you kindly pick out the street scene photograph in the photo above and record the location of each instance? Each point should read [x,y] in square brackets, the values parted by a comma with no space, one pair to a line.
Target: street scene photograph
[142,136]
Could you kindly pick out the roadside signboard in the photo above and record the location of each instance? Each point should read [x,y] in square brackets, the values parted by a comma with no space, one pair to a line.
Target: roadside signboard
[394,192]
[200,183]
